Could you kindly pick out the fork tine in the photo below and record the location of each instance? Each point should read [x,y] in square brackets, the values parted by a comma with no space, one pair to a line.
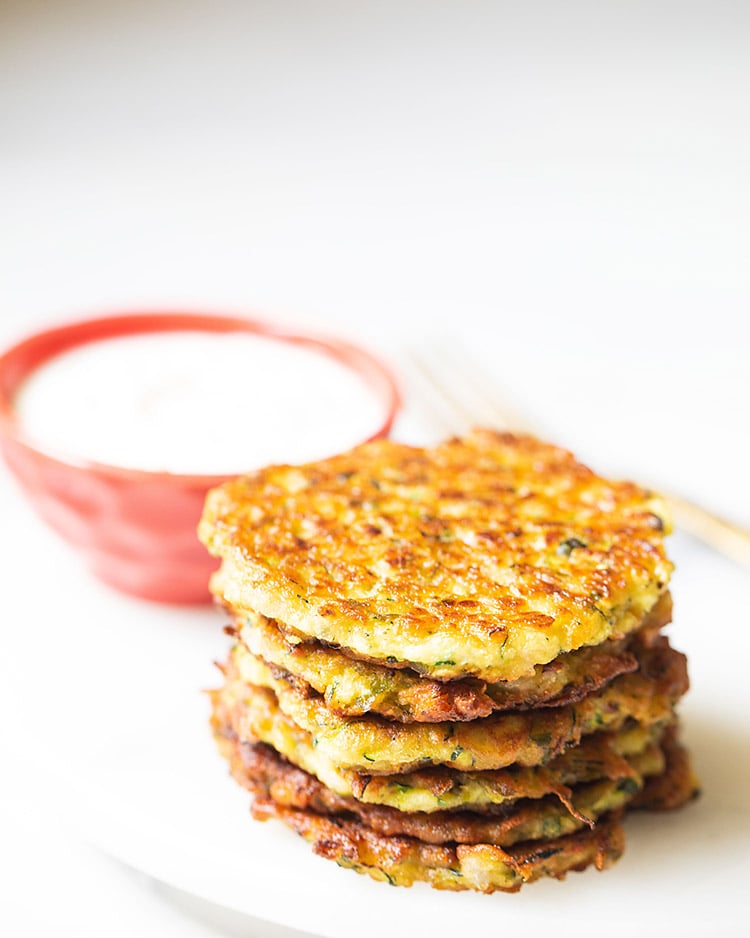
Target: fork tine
[470,394]
[497,401]
[444,404]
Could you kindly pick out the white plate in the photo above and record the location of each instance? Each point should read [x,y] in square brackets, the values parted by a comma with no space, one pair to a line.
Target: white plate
[106,698]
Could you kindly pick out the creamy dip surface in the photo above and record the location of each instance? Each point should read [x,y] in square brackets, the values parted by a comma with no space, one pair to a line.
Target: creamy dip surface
[196,403]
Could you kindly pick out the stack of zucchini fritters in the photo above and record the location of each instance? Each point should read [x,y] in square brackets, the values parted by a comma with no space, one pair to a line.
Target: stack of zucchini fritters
[448,663]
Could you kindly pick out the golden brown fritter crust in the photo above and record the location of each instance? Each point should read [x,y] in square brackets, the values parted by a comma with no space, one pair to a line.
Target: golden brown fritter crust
[257,718]
[375,746]
[447,850]
[485,556]
[352,687]
[262,771]
[486,868]
[601,755]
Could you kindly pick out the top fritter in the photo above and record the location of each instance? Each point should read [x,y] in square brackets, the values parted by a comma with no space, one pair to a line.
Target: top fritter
[486,556]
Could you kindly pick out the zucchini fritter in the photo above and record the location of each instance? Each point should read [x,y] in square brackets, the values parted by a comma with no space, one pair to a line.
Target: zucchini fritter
[378,747]
[251,714]
[354,688]
[448,664]
[402,861]
[259,769]
[446,851]
[484,556]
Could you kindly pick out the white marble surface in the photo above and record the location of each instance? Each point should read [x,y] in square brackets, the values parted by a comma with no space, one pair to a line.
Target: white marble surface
[563,186]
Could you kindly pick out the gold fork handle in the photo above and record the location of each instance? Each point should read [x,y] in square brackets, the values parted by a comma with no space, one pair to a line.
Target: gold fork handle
[728,538]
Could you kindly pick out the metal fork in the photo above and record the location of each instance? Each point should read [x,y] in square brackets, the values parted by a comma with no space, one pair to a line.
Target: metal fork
[470,398]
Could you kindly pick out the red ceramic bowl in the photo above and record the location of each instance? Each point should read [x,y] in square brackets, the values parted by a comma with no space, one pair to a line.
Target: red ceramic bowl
[136,529]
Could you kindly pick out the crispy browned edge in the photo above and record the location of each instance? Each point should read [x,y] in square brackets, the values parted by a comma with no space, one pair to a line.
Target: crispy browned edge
[432,701]
[290,795]
[403,861]
[662,674]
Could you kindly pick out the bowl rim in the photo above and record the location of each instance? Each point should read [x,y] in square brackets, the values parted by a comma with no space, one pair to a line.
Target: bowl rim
[32,352]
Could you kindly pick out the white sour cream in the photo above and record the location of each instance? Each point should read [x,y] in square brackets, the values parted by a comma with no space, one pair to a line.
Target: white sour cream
[196,403]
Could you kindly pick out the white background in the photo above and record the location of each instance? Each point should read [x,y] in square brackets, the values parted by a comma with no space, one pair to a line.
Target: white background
[562,185]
